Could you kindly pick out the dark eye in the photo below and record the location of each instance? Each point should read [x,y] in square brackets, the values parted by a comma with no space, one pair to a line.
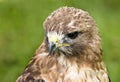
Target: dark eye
[73,35]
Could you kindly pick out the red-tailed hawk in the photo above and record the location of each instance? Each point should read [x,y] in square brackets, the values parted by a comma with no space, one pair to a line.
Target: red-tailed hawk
[70,52]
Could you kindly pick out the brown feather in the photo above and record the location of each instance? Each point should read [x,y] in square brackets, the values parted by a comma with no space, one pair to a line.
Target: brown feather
[79,62]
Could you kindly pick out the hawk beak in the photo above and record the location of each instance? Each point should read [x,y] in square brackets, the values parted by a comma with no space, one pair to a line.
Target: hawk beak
[52,47]
[55,43]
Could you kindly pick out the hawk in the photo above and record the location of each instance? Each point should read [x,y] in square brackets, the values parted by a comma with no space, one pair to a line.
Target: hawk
[70,52]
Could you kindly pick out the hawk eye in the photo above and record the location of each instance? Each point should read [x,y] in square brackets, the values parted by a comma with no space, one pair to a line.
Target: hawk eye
[73,35]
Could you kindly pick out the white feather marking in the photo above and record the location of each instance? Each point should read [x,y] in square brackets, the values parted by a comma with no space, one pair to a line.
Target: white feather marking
[62,60]
[42,54]
[71,24]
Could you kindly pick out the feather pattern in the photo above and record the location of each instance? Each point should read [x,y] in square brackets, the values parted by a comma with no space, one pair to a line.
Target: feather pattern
[79,62]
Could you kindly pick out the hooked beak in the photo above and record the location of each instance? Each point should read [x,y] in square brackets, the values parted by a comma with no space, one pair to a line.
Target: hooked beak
[52,46]
[55,43]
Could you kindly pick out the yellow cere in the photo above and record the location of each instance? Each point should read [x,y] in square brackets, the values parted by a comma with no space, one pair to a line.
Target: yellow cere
[53,39]
[61,45]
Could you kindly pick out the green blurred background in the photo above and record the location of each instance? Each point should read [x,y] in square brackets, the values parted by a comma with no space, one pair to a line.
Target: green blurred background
[21,32]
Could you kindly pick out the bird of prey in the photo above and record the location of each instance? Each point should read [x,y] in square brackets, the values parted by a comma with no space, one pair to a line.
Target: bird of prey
[70,52]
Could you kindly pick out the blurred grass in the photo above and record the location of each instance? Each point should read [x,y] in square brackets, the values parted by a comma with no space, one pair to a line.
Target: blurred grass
[21,32]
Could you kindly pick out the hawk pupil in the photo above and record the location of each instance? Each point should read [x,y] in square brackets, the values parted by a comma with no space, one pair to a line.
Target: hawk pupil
[73,35]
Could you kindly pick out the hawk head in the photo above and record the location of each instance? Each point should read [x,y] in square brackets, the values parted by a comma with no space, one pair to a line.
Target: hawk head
[72,32]
[73,40]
